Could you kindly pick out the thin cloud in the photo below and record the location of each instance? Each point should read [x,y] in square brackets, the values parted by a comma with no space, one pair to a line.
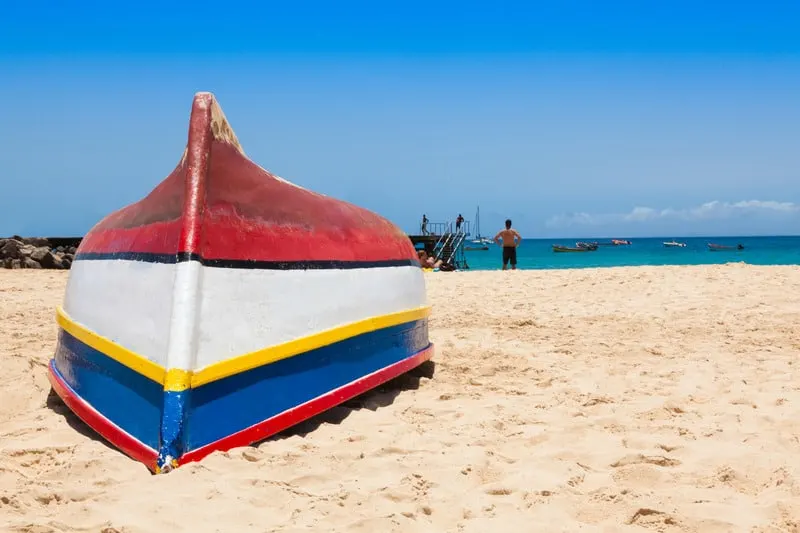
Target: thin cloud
[715,210]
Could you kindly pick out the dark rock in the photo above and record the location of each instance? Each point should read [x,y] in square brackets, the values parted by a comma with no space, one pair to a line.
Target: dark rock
[45,257]
[27,262]
[34,252]
[11,249]
[37,241]
[38,253]
[11,263]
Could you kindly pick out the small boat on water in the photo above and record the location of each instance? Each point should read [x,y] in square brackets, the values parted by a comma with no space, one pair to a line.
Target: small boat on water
[230,304]
[479,243]
[588,245]
[560,248]
[724,248]
[620,242]
[674,244]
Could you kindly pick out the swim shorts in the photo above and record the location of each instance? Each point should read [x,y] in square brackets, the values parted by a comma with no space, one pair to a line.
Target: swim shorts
[509,255]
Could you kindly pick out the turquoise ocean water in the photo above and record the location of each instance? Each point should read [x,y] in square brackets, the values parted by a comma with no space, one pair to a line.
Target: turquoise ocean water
[538,253]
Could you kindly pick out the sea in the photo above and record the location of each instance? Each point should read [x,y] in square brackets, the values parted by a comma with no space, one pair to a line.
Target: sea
[535,254]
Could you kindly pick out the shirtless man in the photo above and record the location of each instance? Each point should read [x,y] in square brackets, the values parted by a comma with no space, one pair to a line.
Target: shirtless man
[511,239]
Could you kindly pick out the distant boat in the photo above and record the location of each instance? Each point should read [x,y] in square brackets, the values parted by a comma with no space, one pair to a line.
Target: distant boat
[620,242]
[589,245]
[723,248]
[675,244]
[559,248]
[482,242]
[476,247]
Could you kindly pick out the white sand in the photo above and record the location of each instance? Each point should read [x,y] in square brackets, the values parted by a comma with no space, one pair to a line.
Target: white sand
[630,399]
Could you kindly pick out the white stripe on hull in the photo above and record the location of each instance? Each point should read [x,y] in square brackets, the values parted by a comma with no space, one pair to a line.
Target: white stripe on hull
[128,302]
[241,310]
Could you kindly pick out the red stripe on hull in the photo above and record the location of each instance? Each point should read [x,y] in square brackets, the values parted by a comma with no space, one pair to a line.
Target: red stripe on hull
[197,153]
[227,240]
[307,410]
[104,427]
[156,238]
[220,205]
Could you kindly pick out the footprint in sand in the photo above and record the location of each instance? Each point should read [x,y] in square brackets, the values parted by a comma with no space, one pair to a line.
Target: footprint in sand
[653,519]
[638,459]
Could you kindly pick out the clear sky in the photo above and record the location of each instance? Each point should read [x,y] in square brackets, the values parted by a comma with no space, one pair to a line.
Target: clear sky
[574,118]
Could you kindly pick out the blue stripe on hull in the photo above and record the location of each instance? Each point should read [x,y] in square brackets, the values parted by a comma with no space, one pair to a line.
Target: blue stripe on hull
[126,398]
[221,408]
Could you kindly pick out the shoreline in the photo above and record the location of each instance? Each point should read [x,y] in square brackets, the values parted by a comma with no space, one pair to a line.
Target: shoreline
[617,267]
[499,270]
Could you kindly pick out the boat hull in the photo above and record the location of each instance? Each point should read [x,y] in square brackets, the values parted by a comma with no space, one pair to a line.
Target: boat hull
[126,408]
[229,304]
[565,249]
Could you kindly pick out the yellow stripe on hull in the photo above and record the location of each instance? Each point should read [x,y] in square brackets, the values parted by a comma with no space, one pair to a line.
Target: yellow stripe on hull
[272,354]
[176,379]
[123,356]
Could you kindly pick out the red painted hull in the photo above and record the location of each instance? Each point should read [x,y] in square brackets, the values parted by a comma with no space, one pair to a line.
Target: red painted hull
[220,205]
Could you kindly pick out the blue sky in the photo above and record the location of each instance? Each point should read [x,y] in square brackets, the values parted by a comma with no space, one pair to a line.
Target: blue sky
[572,118]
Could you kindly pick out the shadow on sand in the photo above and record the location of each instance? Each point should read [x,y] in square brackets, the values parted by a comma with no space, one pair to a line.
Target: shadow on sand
[57,405]
[381,396]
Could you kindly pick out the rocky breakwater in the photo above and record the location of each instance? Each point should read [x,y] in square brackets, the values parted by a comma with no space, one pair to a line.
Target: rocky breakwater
[34,252]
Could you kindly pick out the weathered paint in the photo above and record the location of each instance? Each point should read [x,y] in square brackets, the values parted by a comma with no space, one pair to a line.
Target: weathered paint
[230,304]
[110,431]
[246,213]
[135,414]
[176,379]
[304,411]
[298,303]
[129,400]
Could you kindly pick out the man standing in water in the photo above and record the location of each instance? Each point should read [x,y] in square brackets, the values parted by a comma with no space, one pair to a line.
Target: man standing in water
[511,239]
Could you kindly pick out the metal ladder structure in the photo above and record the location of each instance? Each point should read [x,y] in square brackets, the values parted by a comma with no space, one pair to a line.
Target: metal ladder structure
[450,247]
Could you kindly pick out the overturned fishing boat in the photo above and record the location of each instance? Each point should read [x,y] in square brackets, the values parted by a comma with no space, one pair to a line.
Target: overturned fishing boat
[229,304]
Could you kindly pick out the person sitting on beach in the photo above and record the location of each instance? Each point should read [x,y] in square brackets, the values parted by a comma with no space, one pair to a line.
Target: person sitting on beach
[511,239]
[427,261]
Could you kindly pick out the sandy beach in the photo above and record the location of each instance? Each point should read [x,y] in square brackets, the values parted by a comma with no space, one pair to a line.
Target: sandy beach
[627,399]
